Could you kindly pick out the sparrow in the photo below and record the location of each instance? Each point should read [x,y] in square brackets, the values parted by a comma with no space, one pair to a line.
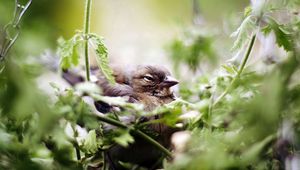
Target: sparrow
[149,85]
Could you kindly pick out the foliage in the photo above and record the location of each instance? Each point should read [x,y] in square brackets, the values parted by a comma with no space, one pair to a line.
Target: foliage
[239,118]
[102,57]
[69,51]
[191,49]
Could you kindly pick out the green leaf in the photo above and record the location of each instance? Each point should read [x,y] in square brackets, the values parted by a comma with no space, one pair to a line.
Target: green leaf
[230,69]
[247,11]
[283,37]
[5,138]
[242,33]
[266,30]
[193,48]
[124,139]
[91,143]
[102,57]
[68,51]
[257,149]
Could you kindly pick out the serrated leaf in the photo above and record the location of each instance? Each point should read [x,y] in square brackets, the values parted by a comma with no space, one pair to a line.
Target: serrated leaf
[283,37]
[242,33]
[266,30]
[102,57]
[124,139]
[68,51]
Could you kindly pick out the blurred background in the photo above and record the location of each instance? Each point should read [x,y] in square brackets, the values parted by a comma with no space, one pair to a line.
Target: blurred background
[190,36]
[135,31]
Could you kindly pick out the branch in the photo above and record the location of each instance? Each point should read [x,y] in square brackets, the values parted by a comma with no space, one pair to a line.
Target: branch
[86,32]
[241,68]
[136,131]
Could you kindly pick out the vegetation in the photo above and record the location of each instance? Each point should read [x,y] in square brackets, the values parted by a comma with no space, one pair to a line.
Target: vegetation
[238,116]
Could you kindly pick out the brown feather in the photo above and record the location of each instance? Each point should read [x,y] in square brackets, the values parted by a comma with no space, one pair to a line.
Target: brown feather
[144,84]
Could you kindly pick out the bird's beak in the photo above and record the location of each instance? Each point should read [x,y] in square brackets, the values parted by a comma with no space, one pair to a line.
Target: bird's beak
[169,82]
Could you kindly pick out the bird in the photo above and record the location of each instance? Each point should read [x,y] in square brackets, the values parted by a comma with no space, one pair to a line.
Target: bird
[149,85]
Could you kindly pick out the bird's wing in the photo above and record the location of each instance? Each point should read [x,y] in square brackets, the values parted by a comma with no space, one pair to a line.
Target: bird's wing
[114,90]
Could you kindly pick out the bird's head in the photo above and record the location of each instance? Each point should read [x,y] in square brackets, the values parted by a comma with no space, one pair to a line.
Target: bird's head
[152,80]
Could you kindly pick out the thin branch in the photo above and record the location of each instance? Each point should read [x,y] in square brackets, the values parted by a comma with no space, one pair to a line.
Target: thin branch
[246,57]
[86,32]
[112,122]
[241,68]
[153,142]
[136,131]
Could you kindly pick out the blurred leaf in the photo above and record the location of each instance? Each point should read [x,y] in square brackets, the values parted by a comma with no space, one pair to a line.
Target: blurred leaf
[5,138]
[283,37]
[124,139]
[68,51]
[191,49]
[91,143]
[255,151]
[102,57]
[230,69]
[87,88]
[242,33]
[247,11]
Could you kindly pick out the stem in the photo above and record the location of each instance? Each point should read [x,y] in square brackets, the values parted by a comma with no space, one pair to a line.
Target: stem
[210,107]
[77,152]
[104,160]
[86,32]
[75,143]
[136,131]
[241,68]
[246,57]
[112,122]
[153,142]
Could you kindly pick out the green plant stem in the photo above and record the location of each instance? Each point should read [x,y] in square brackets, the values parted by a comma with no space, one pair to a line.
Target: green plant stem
[77,152]
[136,131]
[75,143]
[246,57]
[86,38]
[112,122]
[241,68]
[104,161]
[153,142]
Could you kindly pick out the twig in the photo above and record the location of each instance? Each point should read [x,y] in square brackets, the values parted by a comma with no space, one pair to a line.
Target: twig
[241,68]
[153,142]
[77,152]
[136,131]
[86,32]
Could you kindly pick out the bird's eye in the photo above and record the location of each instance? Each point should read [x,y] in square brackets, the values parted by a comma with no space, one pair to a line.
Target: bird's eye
[148,77]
